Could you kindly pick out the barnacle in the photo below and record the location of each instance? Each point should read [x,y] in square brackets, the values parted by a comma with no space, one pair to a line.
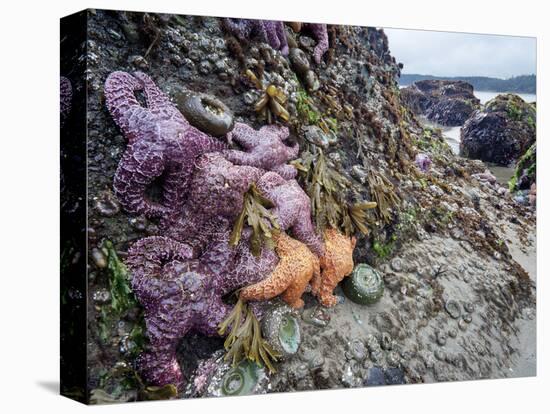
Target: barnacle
[245,340]
[326,189]
[272,102]
[382,191]
[255,212]
[310,114]
[331,97]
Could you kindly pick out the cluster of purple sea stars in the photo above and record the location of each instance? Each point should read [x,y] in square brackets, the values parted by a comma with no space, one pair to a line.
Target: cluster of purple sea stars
[161,143]
[181,277]
[273,33]
[269,31]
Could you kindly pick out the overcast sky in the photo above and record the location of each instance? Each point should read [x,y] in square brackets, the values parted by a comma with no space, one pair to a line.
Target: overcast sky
[462,54]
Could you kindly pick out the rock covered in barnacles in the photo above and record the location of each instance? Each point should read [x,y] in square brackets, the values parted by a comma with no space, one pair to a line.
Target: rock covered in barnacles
[300,64]
[502,132]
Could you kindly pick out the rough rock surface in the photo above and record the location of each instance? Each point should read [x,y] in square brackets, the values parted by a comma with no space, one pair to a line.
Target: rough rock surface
[501,132]
[448,103]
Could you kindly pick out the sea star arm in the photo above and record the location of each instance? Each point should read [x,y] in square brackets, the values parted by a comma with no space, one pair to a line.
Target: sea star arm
[66,95]
[286,171]
[304,231]
[123,105]
[281,35]
[157,102]
[241,28]
[293,151]
[320,33]
[270,30]
[279,131]
[241,158]
[136,171]
[292,208]
[146,260]
[246,136]
[275,284]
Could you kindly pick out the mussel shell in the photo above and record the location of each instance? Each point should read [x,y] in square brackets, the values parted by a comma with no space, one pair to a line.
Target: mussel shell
[196,109]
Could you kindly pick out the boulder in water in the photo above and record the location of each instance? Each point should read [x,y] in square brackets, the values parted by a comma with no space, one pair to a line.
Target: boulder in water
[501,132]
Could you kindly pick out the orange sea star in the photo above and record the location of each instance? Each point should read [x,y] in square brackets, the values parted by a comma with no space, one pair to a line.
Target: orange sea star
[297,265]
[337,263]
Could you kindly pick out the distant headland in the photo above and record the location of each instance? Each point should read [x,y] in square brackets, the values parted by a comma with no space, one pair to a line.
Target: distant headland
[519,84]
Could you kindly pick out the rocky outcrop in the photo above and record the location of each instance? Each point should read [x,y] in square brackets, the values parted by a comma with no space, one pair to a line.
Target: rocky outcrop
[445,102]
[501,132]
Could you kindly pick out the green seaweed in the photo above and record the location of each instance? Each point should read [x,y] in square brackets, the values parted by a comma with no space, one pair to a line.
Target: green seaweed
[306,110]
[122,300]
[432,141]
[122,297]
[256,214]
[309,114]
[245,340]
[513,111]
[384,250]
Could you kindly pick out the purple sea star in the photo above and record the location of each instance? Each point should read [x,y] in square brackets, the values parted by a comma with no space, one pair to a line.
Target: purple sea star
[423,162]
[263,149]
[320,34]
[269,31]
[180,278]
[161,143]
[180,295]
